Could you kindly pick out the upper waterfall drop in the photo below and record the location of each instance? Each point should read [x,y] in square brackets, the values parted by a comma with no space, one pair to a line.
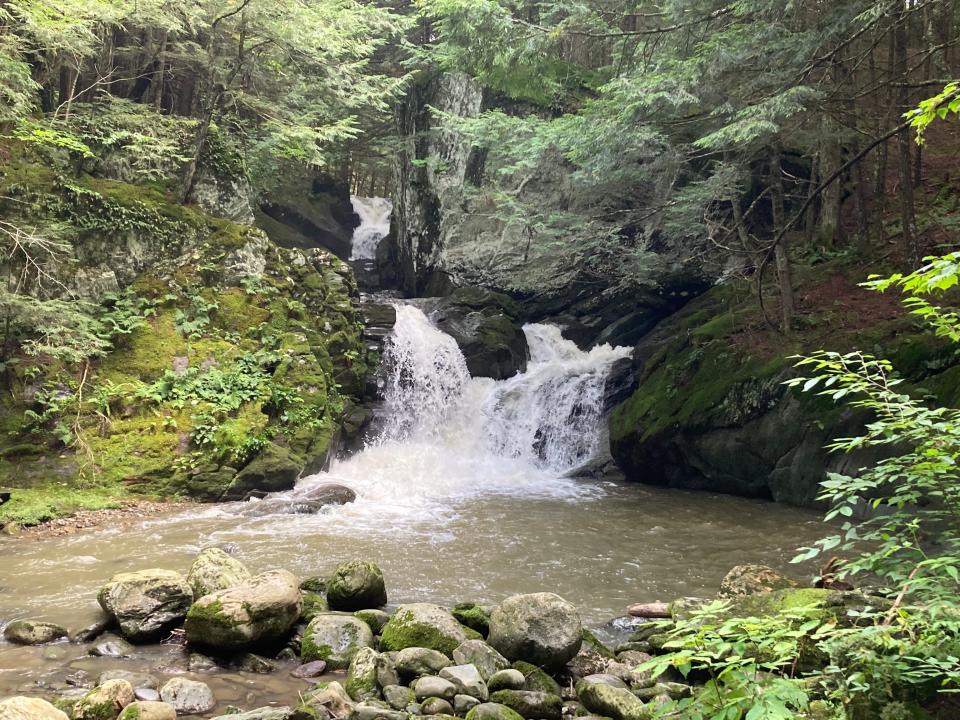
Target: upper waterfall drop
[374,225]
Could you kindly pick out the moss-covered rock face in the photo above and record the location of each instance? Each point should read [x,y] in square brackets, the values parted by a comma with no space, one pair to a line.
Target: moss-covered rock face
[711,411]
[215,570]
[422,625]
[232,359]
[31,632]
[104,702]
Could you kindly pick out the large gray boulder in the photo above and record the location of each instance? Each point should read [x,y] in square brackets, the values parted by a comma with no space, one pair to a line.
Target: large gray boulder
[334,639]
[414,662]
[612,702]
[422,625]
[541,628]
[29,708]
[147,602]
[356,585]
[188,697]
[263,608]
[215,570]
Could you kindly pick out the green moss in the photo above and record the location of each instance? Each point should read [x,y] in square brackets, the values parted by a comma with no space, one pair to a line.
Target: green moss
[536,679]
[313,605]
[35,505]
[402,632]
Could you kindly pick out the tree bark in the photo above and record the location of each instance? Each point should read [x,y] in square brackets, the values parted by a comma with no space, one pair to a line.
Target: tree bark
[904,169]
[782,250]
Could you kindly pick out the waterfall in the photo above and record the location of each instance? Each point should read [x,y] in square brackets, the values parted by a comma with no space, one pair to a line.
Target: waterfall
[548,417]
[374,225]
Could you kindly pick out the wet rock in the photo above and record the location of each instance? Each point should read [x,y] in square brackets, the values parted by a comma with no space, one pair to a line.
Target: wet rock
[188,697]
[105,701]
[313,605]
[29,708]
[541,628]
[370,711]
[613,702]
[215,570]
[199,663]
[307,503]
[92,631]
[33,632]
[112,647]
[487,328]
[361,681]
[416,661]
[530,704]
[387,670]
[264,713]
[356,585]
[256,664]
[328,494]
[146,694]
[462,704]
[476,617]
[314,583]
[572,708]
[148,710]
[422,625]
[398,696]
[750,579]
[275,469]
[436,706]
[508,679]
[493,711]
[137,679]
[335,639]
[331,699]
[376,619]
[479,654]
[263,608]
[650,610]
[146,603]
[310,669]
[606,679]
[430,686]
[467,680]
[536,679]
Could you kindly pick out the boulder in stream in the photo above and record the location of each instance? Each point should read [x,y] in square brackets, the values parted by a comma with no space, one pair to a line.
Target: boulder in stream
[147,602]
[356,585]
[263,608]
[751,578]
[29,708]
[422,625]
[479,654]
[309,502]
[105,701]
[541,628]
[335,639]
[492,711]
[215,570]
[148,710]
[188,697]
[33,632]
[612,702]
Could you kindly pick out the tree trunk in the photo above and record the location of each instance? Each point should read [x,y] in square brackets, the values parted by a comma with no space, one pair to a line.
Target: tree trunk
[904,169]
[782,250]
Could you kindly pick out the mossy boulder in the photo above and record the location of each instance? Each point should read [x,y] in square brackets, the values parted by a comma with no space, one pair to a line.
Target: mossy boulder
[414,662]
[475,617]
[751,578]
[356,585]
[33,632]
[263,608]
[335,639]
[612,702]
[376,619]
[29,708]
[540,628]
[535,679]
[148,710]
[361,681]
[313,605]
[215,570]
[105,701]
[422,625]
[493,711]
[275,469]
[531,704]
[146,603]
[479,654]
[188,697]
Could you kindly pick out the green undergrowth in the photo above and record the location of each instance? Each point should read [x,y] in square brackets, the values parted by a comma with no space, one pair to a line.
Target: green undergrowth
[220,347]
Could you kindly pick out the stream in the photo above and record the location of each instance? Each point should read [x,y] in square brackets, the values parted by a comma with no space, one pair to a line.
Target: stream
[465,493]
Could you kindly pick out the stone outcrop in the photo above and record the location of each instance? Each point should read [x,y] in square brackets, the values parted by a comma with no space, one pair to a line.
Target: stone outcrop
[146,603]
[541,628]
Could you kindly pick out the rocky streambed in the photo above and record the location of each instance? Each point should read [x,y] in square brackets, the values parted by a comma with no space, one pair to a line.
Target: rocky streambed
[222,641]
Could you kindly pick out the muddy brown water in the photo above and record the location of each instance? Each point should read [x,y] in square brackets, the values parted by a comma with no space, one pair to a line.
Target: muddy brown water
[600,545]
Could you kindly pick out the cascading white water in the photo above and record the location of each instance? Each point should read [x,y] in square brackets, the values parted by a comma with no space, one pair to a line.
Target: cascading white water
[374,225]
